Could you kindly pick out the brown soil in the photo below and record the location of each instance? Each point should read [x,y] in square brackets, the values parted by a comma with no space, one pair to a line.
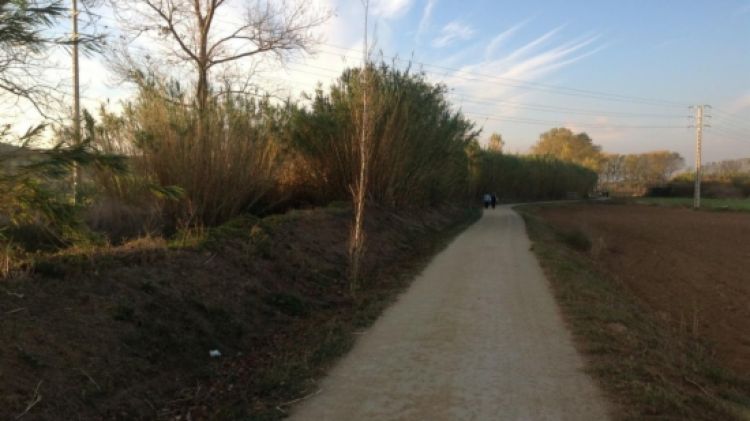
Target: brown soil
[125,333]
[692,268]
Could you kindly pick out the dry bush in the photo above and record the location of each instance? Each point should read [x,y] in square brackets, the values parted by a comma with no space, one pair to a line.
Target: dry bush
[223,173]
[121,221]
[194,179]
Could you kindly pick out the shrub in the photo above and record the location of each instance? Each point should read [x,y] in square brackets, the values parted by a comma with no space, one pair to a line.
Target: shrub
[417,143]
[195,168]
[39,209]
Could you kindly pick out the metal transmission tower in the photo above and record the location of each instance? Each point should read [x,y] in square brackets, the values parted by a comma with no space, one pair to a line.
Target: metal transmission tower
[76,98]
[700,117]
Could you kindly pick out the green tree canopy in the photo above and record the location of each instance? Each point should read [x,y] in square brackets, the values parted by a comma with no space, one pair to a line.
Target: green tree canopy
[565,145]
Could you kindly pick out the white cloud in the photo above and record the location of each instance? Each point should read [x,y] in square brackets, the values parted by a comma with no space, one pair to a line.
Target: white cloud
[390,9]
[529,62]
[551,59]
[424,22]
[519,52]
[453,31]
[489,85]
[500,39]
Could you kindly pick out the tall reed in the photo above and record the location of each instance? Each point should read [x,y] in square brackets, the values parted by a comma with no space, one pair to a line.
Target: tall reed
[228,169]
[525,178]
[417,142]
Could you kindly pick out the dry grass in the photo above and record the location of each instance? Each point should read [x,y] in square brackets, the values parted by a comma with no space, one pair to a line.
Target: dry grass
[6,259]
[194,179]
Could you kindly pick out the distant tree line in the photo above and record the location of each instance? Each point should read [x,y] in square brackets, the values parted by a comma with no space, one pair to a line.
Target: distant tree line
[519,178]
[728,168]
[723,179]
[637,172]
[619,173]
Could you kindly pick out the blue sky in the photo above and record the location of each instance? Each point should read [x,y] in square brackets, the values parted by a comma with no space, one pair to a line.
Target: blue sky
[507,63]
[677,52]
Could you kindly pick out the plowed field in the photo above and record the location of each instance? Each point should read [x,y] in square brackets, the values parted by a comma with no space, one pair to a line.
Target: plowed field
[691,267]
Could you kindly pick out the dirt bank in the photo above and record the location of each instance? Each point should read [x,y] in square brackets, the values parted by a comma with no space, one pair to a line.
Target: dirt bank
[125,333]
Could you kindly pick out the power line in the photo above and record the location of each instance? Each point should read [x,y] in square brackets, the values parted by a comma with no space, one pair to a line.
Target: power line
[732,125]
[550,109]
[554,109]
[535,107]
[729,135]
[334,73]
[531,106]
[731,130]
[731,117]
[506,81]
[564,123]
[518,119]
[518,84]
[562,90]
[578,111]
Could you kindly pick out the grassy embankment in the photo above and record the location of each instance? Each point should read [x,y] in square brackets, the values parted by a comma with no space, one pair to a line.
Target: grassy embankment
[648,369]
[125,333]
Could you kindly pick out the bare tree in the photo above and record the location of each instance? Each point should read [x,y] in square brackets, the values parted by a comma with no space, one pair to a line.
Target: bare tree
[208,34]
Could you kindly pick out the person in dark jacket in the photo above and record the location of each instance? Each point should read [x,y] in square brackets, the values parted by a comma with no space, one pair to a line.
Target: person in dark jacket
[493,199]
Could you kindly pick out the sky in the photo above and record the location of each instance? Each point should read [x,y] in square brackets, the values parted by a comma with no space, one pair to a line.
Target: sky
[625,72]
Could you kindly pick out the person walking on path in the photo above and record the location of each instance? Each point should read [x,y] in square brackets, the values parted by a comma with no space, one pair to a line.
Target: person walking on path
[493,200]
[487,200]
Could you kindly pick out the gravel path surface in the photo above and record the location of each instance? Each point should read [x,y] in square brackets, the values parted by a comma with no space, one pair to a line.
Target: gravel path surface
[477,336]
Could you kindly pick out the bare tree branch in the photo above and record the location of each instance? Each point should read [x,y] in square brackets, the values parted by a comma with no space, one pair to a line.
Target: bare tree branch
[192,27]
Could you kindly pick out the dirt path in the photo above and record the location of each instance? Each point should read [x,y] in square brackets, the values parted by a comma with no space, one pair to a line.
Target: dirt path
[476,337]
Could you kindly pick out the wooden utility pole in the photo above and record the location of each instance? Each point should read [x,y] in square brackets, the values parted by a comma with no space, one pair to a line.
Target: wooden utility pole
[699,124]
[76,99]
